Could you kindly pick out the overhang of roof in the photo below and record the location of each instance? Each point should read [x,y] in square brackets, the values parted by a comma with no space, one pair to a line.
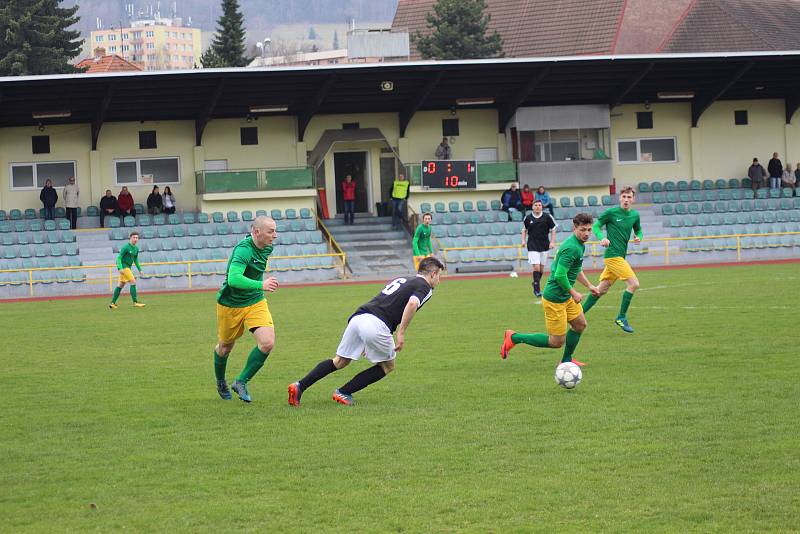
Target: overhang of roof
[207,94]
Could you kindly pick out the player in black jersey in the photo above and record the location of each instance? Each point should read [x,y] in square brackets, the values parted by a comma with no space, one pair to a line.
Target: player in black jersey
[539,235]
[369,332]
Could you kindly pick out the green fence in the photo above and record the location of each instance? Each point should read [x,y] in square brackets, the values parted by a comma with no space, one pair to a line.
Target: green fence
[254,180]
[489,172]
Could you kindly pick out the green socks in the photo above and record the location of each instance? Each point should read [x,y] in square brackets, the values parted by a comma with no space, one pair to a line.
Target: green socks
[590,301]
[117,291]
[254,362]
[537,340]
[219,366]
[569,347]
[626,301]
[133,293]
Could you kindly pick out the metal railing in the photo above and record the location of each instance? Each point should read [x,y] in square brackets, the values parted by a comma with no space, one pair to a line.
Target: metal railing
[259,179]
[596,251]
[107,274]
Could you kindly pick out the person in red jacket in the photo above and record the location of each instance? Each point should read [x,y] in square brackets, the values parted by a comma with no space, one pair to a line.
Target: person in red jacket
[125,202]
[527,198]
[349,196]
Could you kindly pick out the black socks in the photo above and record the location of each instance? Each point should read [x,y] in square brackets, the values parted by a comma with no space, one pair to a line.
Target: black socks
[363,379]
[323,369]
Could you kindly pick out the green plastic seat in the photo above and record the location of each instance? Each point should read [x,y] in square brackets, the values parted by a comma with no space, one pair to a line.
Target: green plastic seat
[683,185]
[656,187]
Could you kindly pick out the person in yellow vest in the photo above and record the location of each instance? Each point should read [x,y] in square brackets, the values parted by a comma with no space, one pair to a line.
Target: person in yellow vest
[399,198]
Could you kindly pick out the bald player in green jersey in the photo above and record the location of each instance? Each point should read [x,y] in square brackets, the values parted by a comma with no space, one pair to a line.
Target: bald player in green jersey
[560,300]
[619,222]
[241,306]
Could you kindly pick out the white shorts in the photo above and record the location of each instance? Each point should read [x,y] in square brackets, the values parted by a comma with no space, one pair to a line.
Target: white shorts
[367,335]
[537,258]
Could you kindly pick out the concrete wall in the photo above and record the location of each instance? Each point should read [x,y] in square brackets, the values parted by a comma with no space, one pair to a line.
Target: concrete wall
[69,142]
[669,120]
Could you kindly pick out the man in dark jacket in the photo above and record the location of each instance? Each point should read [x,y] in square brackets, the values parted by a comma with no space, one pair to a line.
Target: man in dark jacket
[511,199]
[49,197]
[757,174]
[108,207]
[775,168]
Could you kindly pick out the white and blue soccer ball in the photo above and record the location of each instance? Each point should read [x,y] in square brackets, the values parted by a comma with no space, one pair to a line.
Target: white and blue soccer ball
[568,375]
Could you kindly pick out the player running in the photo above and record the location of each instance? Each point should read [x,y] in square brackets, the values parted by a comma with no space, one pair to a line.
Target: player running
[369,332]
[241,304]
[560,300]
[539,235]
[127,257]
[619,222]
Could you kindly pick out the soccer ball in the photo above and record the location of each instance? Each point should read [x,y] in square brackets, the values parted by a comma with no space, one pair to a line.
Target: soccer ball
[568,375]
[513,274]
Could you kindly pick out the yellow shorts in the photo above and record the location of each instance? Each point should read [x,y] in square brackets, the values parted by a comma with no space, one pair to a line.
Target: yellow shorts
[126,275]
[558,314]
[616,269]
[231,322]
[418,259]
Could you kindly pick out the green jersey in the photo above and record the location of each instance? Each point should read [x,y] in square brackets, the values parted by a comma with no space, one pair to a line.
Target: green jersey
[243,282]
[566,268]
[128,256]
[619,223]
[422,240]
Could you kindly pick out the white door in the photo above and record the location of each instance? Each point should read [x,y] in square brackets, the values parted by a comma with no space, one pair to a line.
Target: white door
[216,164]
[485,154]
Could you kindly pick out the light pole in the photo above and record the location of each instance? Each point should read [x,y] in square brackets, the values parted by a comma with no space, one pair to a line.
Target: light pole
[263,46]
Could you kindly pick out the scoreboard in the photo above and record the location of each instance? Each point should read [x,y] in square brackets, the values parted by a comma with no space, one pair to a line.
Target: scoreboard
[449,174]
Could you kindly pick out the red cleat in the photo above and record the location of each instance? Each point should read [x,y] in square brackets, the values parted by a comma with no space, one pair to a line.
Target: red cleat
[579,364]
[507,344]
[294,394]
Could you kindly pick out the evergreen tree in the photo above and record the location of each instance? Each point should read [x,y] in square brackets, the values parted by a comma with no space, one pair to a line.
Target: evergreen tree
[227,49]
[335,40]
[312,34]
[458,31]
[35,39]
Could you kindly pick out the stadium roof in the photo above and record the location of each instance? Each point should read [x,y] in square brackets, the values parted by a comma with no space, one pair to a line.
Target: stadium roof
[506,84]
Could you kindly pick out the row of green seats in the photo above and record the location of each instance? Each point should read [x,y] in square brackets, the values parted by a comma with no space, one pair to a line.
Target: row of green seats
[692,185]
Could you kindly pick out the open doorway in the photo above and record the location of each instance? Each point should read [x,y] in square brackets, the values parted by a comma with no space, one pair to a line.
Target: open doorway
[354,164]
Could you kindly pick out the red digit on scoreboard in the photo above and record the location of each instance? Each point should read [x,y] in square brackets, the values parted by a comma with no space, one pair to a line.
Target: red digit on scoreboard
[454,181]
[431,167]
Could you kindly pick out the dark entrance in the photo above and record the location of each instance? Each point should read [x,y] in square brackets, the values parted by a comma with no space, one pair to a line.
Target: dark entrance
[354,164]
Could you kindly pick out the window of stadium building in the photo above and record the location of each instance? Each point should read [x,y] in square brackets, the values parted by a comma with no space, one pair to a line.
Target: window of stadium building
[147,171]
[651,150]
[563,145]
[34,175]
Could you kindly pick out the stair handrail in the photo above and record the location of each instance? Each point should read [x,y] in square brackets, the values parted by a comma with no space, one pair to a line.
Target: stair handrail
[336,248]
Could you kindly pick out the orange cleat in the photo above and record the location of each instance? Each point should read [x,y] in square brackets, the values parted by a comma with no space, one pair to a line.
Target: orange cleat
[294,394]
[579,364]
[507,344]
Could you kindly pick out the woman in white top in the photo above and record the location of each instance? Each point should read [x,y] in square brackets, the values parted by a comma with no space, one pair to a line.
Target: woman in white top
[169,200]
[789,179]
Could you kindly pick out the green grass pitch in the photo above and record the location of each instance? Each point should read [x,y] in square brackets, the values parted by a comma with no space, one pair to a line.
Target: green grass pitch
[690,424]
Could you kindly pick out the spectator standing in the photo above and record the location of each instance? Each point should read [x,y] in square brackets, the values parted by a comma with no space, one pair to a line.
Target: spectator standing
[539,236]
[49,197]
[71,194]
[444,150]
[511,200]
[544,197]
[775,169]
[422,240]
[400,189]
[108,207]
[349,197]
[169,200]
[155,203]
[527,197]
[796,176]
[757,174]
[125,202]
[788,179]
